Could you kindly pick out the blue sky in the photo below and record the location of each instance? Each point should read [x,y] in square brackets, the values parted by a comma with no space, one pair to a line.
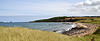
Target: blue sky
[34,7]
[49,8]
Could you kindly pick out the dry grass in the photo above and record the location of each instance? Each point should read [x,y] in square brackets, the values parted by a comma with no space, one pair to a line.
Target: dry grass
[24,34]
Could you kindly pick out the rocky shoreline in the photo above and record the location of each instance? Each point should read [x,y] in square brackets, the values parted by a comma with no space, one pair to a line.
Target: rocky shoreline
[81,29]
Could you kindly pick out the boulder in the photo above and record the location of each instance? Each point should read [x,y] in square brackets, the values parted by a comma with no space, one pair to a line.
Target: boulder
[80,25]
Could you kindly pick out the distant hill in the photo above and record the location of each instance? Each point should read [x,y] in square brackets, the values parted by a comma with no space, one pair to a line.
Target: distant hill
[65,19]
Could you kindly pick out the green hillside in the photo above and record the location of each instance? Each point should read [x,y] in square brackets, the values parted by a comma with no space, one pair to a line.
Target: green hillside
[54,19]
[63,19]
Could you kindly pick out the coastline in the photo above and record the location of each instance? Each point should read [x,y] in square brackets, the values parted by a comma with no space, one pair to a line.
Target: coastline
[23,32]
[81,31]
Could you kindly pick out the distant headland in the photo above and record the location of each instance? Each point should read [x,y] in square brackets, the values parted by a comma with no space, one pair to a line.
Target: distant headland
[66,19]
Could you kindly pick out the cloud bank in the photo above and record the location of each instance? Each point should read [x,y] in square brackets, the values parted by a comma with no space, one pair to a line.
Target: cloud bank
[89,3]
[88,7]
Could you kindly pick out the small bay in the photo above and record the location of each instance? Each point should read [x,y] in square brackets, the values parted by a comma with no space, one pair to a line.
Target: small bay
[44,26]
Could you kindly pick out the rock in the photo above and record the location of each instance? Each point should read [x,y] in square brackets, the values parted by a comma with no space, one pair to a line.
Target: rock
[77,27]
[80,25]
[55,30]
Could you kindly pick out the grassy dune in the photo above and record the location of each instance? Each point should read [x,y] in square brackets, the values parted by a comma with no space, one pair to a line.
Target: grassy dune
[24,34]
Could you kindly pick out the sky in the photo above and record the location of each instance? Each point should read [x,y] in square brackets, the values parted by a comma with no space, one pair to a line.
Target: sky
[48,8]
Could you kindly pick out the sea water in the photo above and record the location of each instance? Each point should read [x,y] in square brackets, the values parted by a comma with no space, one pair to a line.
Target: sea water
[46,26]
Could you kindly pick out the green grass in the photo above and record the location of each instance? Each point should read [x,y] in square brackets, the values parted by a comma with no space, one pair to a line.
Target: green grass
[25,34]
[95,21]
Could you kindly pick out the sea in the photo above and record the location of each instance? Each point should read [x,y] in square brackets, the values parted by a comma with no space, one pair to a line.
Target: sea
[44,26]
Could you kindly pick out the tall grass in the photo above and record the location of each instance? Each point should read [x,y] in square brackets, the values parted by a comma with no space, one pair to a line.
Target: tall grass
[24,34]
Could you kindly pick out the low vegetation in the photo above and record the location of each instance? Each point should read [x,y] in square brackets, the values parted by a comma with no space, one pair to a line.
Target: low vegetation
[54,19]
[62,19]
[24,34]
[95,21]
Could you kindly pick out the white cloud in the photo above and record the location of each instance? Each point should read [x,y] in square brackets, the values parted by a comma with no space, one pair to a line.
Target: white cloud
[88,7]
[89,3]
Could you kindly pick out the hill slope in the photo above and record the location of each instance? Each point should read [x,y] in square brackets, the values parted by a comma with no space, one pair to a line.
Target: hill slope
[62,19]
